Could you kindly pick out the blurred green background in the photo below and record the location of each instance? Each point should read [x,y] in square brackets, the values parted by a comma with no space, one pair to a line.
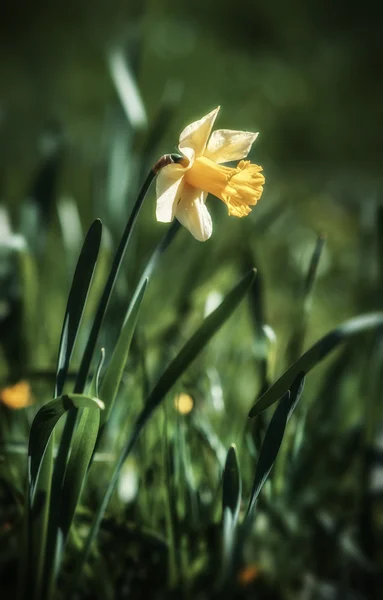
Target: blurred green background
[73,147]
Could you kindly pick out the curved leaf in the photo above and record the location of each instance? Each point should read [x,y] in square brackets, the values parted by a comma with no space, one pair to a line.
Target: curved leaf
[82,279]
[75,475]
[273,438]
[113,374]
[314,355]
[44,423]
[197,342]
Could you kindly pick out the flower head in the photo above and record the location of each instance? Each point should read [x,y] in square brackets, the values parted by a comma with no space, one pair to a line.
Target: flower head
[182,188]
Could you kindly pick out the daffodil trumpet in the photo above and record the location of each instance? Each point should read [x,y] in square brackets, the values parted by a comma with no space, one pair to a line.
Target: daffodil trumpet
[183,185]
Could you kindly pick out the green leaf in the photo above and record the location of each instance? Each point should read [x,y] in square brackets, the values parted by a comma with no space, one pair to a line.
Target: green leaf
[44,423]
[127,89]
[231,485]
[273,438]
[38,524]
[153,260]
[82,450]
[94,386]
[177,367]
[76,301]
[316,354]
[113,374]
[75,475]
[208,436]
[303,304]
[193,347]
[231,500]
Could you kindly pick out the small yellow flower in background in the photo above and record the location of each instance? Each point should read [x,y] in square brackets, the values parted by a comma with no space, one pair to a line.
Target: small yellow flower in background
[184,403]
[17,395]
[182,187]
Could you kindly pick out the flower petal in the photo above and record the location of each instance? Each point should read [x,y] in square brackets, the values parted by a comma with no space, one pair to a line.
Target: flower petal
[226,145]
[193,214]
[169,187]
[196,134]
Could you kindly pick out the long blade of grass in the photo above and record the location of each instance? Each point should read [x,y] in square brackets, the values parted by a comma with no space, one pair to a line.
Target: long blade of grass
[273,438]
[316,354]
[303,305]
[231,484]
[75,475]
[231,500]
[113,374]
[197,342]
[82,452]
[127,89]
[153,261]
[38,524]
[76,301]
[177,367]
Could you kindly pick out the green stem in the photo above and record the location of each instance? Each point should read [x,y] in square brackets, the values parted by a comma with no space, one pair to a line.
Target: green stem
[72,418]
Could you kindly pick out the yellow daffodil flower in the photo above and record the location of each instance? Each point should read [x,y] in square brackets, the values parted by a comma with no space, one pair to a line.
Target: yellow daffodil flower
[182,187]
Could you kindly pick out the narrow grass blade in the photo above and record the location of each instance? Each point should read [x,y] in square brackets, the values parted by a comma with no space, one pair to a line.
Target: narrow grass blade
[127,89]
[273,438]
[316,354]
[44,423]
[256,301]
[303,305]
[71,229]
[197,342]
[208,437]
[82,451]
[231,484]
[75,475]
[94,386]
[76,302]
[153,261]
[38,524]
[379,227]
[231,500]
[189,352]
[113,374]
[36,212]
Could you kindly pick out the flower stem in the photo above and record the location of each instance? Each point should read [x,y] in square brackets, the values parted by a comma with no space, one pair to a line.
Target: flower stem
[82,375]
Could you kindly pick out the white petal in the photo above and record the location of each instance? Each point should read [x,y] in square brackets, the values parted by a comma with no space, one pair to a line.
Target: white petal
[196,134]
[226,145]
[193,214]
[169,186]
